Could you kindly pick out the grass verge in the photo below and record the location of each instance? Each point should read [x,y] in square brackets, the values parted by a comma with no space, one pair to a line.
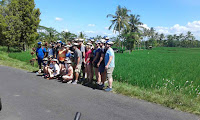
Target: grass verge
[7,61]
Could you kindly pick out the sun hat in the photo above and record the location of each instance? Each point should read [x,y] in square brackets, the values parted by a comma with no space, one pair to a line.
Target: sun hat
[59,41]
[76,40]
[80,40]
[66,59]
[68,46]
[102,41]
[69,62]
[106,38]
[91,39]
[39,43]
[54,60]
[50,56]
[75,44]
[109,43]
[97,42]
[89,44]
[45,59]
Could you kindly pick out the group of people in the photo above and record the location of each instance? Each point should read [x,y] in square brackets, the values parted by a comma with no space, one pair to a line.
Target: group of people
[68,61]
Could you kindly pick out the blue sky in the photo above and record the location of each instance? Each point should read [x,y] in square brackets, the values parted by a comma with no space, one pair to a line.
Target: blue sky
[169,16]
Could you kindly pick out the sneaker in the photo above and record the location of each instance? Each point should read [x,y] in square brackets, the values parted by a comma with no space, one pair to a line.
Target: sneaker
[101,86]
[108,89]
[75,82]
[69,82]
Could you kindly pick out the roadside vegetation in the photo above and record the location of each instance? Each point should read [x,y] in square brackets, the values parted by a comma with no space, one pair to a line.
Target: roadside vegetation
[167,76]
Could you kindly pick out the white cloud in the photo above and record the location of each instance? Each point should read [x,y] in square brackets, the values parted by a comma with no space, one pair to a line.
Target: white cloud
[145,26]
[106,28]
[66,30]
[109,34]
[194,27]
[89,31]
[91,25]
[58,19]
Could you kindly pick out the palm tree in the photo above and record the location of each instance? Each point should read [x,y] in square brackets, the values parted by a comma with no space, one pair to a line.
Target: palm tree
[152,32]
[135,23]
[82,35]
[161,38]
[66,35]
[120,19]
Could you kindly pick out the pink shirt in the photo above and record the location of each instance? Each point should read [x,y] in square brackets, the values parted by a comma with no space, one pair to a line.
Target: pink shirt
[87,55]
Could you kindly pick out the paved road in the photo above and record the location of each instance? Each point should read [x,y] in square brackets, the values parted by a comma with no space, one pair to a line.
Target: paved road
[26,96]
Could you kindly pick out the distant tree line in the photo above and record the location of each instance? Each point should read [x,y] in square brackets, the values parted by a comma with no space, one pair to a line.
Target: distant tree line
[133,35]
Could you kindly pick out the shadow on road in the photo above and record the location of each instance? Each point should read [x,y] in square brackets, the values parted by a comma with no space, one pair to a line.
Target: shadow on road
[59,79]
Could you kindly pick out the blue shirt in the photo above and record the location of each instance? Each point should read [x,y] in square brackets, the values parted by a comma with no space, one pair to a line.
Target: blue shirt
[109,53]
[40,52]
[68,54]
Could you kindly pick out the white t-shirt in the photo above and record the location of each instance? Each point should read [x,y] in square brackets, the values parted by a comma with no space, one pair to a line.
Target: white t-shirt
[56,68]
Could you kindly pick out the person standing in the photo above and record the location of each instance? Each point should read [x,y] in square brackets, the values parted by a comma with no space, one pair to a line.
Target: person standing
[109,64]
[77,62]
[101,65]
[82,49]
[40,53]
[50,51]
[96,60]
[61,57]
[68,52]
[88,63]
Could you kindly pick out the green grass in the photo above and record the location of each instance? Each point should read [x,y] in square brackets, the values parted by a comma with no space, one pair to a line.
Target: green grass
[170,68]
[167,76]
[8,61]
[22,56]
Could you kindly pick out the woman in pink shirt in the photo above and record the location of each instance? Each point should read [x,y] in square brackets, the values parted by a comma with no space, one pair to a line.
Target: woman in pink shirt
[88,63]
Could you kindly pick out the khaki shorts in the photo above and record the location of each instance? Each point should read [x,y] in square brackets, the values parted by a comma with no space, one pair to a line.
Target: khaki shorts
[78,69]
[110,72]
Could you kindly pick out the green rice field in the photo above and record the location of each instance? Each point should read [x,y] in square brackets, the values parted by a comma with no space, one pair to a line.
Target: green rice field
[176,69]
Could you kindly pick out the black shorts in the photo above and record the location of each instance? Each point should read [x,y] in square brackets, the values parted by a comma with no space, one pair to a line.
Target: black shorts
[102,68]
[83,66]
[95,65]
[61,62]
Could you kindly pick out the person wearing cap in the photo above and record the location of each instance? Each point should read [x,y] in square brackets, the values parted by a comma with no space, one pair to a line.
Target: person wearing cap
[50,50]
[40,53]
[61,56]
[55,71]
[91,59]
[57,48]
[109,64]
[69,72]
[45,66]
[96,59]
[88,62]
[68,52]
[101,65]
[106,38]
[82,49]
[77,62]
